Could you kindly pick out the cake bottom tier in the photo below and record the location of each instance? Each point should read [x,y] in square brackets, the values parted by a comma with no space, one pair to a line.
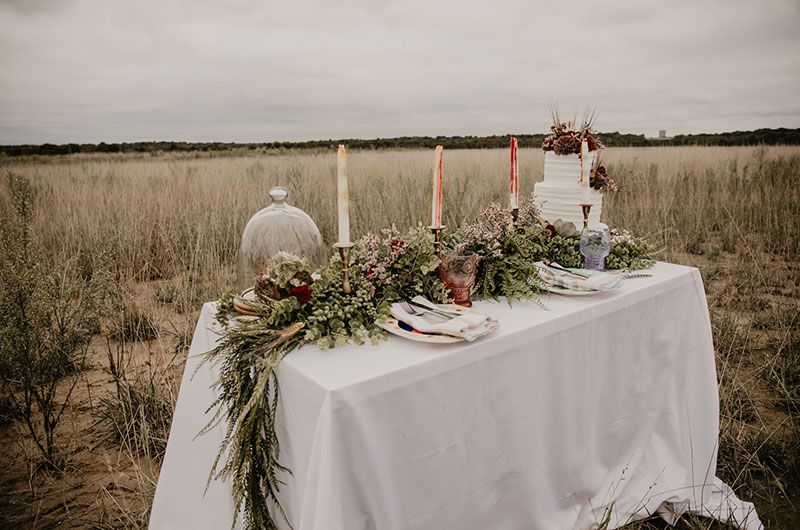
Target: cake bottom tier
[564,202]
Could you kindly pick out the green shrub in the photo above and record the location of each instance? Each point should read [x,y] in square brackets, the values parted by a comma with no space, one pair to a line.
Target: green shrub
[48,318]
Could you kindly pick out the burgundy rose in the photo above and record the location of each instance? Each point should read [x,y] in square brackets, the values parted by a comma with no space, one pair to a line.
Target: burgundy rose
[302,293]
[552,230]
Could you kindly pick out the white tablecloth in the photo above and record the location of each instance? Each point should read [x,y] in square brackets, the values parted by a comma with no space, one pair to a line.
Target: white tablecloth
[604,403]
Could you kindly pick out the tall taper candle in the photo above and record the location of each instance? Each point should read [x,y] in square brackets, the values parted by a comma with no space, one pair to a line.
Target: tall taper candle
[436,207]
[514,197]
[343,198]
[585,170]
[585,167]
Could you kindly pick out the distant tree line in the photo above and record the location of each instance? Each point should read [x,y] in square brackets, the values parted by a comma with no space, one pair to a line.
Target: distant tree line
[780,136]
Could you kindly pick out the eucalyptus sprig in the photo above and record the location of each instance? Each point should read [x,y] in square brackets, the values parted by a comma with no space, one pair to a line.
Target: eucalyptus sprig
[337,318]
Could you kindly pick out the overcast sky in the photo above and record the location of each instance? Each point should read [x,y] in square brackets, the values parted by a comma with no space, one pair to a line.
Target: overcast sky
[265,70]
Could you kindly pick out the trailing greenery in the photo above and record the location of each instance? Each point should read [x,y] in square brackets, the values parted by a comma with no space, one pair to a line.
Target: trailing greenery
[247,402]
[384,268]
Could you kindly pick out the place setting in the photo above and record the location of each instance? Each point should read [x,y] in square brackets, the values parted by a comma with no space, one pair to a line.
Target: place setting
[423,321]
[576,282]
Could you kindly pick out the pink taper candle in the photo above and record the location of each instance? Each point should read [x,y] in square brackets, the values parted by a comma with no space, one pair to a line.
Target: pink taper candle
[343,198]
[514,197]
[436,209]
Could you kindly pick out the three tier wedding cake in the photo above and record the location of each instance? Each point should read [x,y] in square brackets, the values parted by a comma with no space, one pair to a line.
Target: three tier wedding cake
[571,179]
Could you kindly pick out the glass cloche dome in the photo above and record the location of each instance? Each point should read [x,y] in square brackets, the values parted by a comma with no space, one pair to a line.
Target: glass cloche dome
[278,227]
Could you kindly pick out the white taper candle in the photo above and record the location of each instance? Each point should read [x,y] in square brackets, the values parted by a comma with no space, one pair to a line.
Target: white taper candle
[343,198]
[586,168]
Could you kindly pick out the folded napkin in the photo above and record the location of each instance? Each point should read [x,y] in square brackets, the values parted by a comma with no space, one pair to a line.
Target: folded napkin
[597,282]
[468,326]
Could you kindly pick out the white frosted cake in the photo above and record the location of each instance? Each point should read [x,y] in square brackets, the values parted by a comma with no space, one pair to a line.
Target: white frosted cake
[560,195]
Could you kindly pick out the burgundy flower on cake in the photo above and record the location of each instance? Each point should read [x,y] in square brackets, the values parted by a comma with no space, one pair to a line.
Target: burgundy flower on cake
[600,180]
[565,138]
[567,143]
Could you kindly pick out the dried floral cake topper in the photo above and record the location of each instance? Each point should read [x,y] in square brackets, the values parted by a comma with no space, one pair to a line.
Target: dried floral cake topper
[565,139]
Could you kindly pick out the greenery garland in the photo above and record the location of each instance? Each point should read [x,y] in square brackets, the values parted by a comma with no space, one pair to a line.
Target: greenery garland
[384,268]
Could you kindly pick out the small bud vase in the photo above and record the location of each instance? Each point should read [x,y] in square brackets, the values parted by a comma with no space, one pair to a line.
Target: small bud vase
[595,246]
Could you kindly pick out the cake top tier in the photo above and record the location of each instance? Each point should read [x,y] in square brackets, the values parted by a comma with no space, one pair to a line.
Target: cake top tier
[565,170]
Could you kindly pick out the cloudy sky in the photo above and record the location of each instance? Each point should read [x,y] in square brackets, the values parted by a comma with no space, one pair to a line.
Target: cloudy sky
[264,70]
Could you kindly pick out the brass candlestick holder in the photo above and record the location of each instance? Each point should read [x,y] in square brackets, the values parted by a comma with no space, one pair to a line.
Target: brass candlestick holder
[344,254]
[515,214]
[586,208]
[437,239]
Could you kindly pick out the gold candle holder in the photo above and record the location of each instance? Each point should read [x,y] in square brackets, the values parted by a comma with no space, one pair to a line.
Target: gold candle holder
[344,254]
[586,208]
[437,239]
[515,214]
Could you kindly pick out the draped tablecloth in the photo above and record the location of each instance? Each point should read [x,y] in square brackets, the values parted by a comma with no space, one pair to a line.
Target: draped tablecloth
[603,408]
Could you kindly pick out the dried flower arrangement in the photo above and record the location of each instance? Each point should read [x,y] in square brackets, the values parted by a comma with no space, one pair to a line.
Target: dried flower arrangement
[565,139]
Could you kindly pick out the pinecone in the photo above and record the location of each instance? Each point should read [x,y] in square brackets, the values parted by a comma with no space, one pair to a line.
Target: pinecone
[265,288]
[304,277]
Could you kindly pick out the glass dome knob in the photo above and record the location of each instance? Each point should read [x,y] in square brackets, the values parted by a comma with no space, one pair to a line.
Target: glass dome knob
[278,195]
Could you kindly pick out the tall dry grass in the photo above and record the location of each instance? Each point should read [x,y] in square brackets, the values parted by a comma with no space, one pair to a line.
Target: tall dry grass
[172,225]
[173,215]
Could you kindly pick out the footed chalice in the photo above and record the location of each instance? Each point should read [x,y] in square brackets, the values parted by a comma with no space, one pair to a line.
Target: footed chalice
[458,271]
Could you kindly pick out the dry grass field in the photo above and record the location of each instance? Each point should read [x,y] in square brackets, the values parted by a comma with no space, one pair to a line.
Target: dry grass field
[167,227]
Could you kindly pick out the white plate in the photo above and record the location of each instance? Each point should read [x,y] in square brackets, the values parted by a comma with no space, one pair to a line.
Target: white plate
[393,326]
[557,289]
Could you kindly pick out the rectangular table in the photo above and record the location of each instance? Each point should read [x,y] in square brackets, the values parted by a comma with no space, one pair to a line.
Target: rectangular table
[603,403]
